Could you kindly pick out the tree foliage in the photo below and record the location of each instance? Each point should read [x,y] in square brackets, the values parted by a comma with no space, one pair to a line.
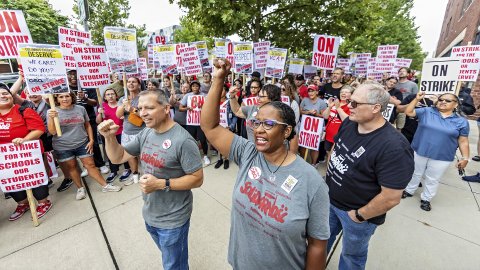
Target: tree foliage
[42,19]
[191,31]
[291,24]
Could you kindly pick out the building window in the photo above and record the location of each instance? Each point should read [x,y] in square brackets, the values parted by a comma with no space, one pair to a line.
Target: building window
[466,4]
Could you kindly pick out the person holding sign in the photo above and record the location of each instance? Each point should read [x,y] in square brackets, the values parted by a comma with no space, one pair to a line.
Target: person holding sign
[194,108]
[171,165]
[314,106]
[76,142]
[18,125]
[280,203]
[132,122]
[370,165]
[336,112]
[441,129]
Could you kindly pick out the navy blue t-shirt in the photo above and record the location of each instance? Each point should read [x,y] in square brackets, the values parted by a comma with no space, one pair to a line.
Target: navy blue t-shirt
[360,164]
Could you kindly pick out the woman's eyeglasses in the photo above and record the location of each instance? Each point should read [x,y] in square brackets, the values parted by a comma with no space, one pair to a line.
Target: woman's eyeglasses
[446,100]
[355,104]
[267,124]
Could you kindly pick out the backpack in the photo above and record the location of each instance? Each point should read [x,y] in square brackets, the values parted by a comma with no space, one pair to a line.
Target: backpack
[466,101]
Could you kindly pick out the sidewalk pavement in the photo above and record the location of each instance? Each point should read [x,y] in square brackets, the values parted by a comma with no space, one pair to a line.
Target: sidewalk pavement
[70,235]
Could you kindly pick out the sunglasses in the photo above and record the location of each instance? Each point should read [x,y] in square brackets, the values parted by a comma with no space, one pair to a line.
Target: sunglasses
[267,124]
[355,104]
[312,90]
[446,100]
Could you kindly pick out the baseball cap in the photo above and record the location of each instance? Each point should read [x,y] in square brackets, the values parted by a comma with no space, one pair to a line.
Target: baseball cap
[299,77]
[313,86]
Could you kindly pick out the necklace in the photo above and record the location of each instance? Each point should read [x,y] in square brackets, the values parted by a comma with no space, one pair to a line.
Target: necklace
[272,177]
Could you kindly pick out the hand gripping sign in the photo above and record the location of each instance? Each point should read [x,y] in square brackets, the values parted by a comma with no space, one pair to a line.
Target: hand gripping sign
[310,132]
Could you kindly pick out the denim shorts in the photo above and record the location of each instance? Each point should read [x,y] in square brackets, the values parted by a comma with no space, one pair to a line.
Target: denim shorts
[79,152]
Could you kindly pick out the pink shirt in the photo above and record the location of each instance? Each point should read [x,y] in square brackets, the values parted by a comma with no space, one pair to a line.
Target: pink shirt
[110,113]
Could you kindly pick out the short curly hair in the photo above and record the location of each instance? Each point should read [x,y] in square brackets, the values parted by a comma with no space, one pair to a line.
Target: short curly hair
[286,114]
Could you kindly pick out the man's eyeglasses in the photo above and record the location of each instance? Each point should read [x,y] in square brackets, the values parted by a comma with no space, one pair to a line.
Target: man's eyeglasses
[355,104]
[254,87]
[267,124]
[446,100]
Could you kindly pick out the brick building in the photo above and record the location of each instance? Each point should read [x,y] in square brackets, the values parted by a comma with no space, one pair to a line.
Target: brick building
[461,26]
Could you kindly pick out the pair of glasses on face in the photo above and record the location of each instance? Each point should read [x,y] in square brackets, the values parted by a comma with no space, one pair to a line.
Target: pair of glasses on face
[355,104]
[446,100]
[267,124]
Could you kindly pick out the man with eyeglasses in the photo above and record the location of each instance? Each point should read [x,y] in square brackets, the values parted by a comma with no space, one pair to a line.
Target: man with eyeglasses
[370,165]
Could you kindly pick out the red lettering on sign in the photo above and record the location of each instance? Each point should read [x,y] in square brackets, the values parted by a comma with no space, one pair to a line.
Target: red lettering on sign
[9,20]
[325,44]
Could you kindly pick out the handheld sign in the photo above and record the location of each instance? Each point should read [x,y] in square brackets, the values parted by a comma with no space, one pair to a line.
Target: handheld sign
[13,31]
[310,134]
[196,103]
[309,71]
[400,63]
[178,55]
[361,63]
[92,66]
[67,38]
[470,62]
[202,54]
[260,54]
[191,60]
[276,63]
[251,101]
[150,54]
[388,112]
[121,44]
[386,57]
[223,114]
[440,75]
[344,63]
[243,54]
[230,55]
[44,68]
[295,65]
[22,166]
[221,47]
[166,58]
[286,100]
[325,50]
[371,73]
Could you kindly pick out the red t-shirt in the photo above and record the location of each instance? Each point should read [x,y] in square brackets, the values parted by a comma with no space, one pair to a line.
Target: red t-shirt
[303,91]
[111,113]
[13,125]
[334,122]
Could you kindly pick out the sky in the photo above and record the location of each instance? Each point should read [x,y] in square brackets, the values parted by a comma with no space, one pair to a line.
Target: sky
[428,16]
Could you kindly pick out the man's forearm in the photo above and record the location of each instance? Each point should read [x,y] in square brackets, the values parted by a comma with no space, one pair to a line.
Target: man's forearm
[115,151]
[379,205]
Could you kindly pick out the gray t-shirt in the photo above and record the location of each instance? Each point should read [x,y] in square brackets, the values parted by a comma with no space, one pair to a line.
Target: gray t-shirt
[185,97]
[171,154]
[307,105]
[270,223]
[407,88]
[204,88]
[250,112]
[72,124]
[129,128]
[179,117]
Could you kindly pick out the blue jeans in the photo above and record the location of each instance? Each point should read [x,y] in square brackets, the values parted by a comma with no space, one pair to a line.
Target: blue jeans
[173,243]
[355,239]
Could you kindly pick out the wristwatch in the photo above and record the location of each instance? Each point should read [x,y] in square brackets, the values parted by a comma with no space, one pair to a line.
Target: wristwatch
[167,185]
[358,216]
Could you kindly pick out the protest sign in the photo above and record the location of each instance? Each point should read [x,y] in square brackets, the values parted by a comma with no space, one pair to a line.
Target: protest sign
[440,75]
[67,38]
[223,114]
[121,44]
[142,67]
[386,57]
[371,73]
[251,101]
[22,166]
[261,52]
[178,55]
[361,63]
[470,62]
[400,63]
[191,60]
[243,57]
[230,56]
[310,134]
[13,31]
[309,71]
[325,49]
[221,47]
[286,100]
[196,103]
[344,63]
[388,111]
[43,68]
[295,66]
[165,56]
[202,54]
[92,66]
[276,63]
[150,54]
[51,164]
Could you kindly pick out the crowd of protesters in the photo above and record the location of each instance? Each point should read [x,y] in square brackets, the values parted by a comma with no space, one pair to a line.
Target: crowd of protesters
[372,162]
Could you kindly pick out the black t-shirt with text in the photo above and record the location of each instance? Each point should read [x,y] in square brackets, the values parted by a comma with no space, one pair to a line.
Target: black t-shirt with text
[91,93]
[395,93]
[360,164]
[329,91]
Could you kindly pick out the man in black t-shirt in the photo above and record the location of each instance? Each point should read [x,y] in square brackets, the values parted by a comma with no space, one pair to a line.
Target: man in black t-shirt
[333,88]
[395,96]
[364,180]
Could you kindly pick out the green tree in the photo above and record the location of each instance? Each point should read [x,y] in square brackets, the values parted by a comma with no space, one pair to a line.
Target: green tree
[42,19]
[291,24]
[191,31]
[104,13]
